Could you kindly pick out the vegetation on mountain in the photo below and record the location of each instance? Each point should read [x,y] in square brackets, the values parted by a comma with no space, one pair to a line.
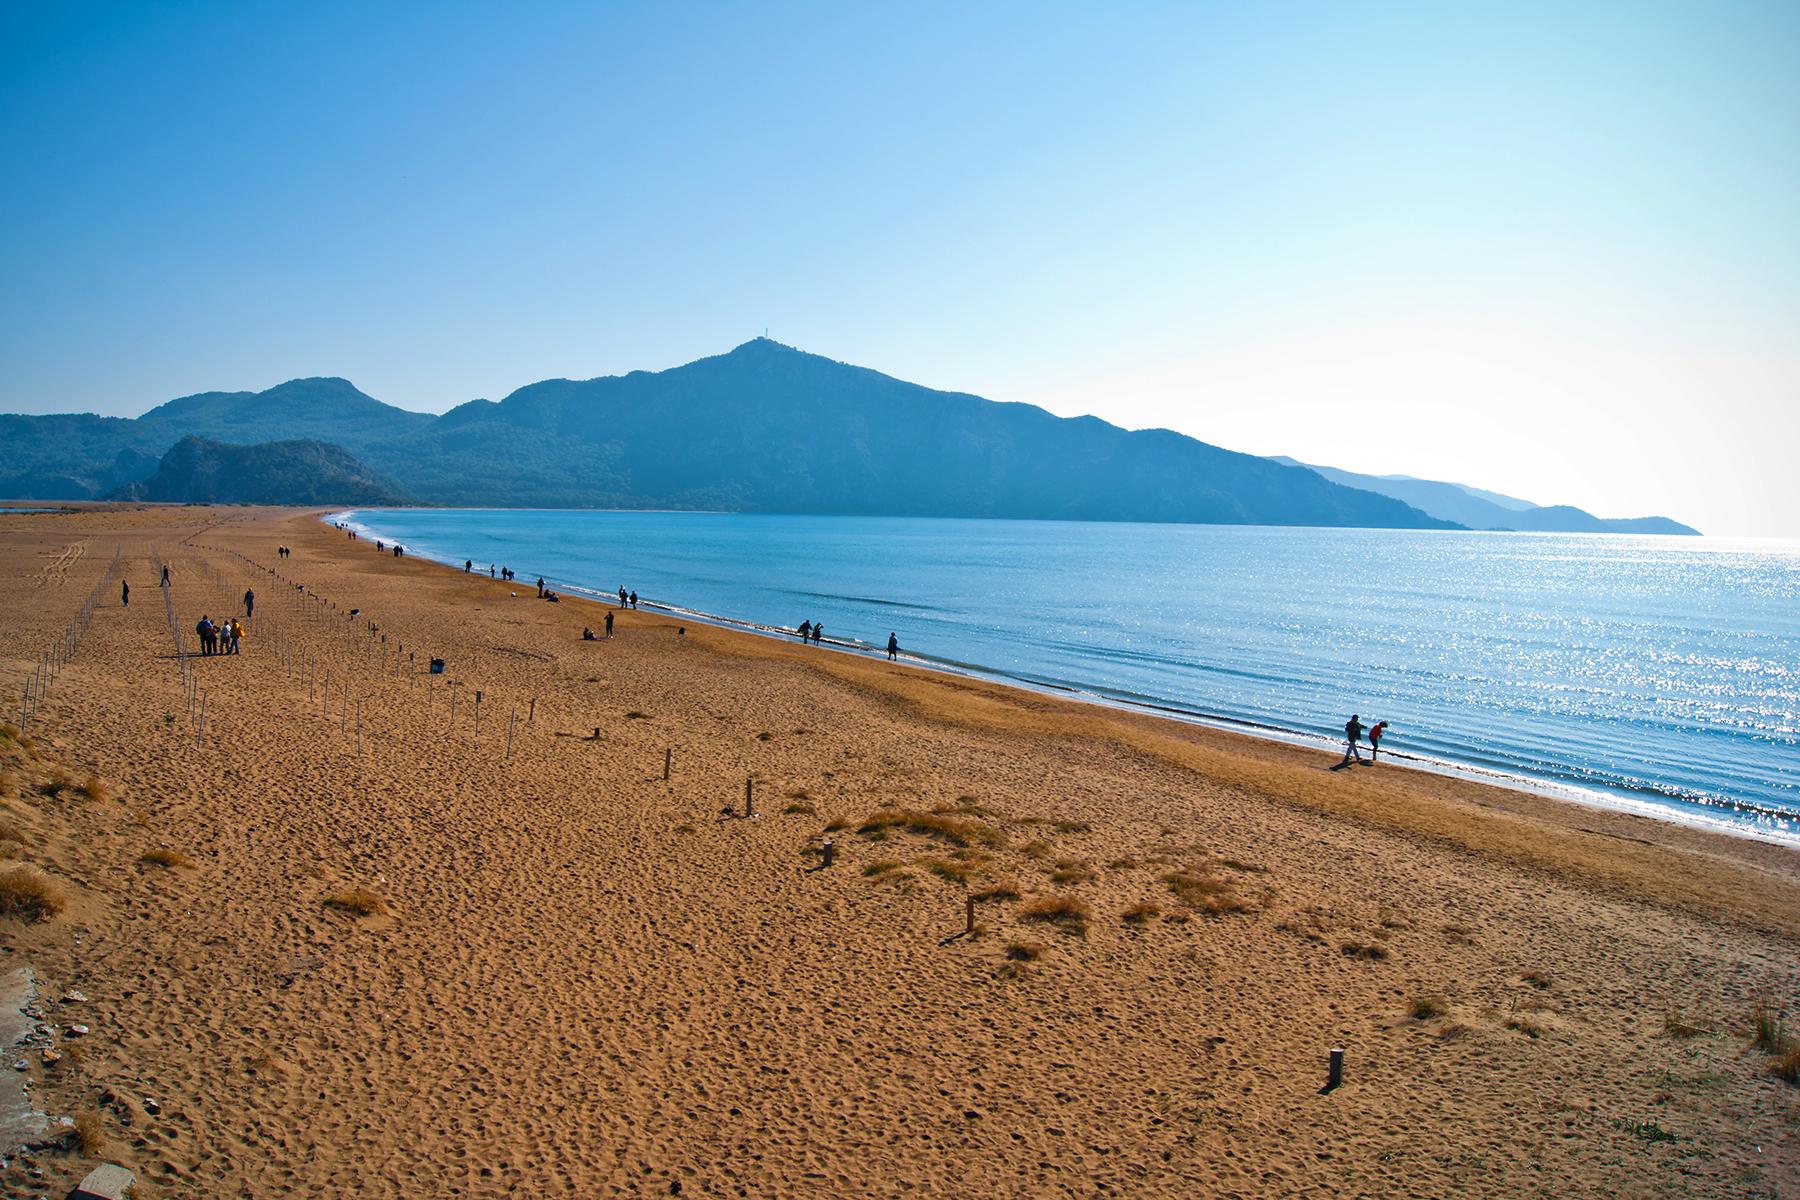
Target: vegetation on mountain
[200,471]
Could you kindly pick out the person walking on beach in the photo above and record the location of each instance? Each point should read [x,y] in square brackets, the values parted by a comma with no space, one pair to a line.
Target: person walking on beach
[893,647]
[634,599]
[805,632]
[818,634]
[468,565]
[165,581]
[1352,736]
[249,602]
[1375,732]
[124,594]
[609,620]
[621,595]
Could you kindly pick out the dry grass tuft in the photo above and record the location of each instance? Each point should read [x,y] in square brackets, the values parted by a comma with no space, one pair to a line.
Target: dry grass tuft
[1122,864]
[1766,1030]
[801,808]
[1025,951]
[1677,1026]
[1071,871]
[1529,1028]
[162,856]
[360,901]
[28,896]
[96,788]
[882,866]
[1364,950]
[958,831]
[1140,913]
[1036,850]
[90,1131]
[1069,913]
[1460,935]
[1787,1064]
[1071,826]
[12,831]
[1424,1008]
[1538,979]
[999,889]
[953,870]
[1206,893]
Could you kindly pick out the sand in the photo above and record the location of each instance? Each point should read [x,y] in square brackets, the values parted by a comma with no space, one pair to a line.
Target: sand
[582,980]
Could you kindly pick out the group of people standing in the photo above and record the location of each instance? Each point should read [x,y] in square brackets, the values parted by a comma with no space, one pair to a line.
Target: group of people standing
[220,637]
[1353,732]
[811,631]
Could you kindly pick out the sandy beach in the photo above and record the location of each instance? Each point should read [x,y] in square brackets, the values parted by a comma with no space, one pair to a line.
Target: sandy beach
[575,978]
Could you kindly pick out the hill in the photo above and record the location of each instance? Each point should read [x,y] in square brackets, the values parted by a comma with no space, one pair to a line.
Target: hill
[763,428]
[1479,509]
[200,471]
[766,428]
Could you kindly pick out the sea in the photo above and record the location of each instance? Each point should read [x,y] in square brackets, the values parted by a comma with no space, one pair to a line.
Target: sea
[1657,674]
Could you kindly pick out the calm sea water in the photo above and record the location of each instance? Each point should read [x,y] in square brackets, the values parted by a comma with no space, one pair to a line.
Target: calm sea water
[1659,673]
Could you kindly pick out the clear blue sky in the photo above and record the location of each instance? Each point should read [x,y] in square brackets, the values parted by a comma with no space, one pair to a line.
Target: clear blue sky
[1551,249]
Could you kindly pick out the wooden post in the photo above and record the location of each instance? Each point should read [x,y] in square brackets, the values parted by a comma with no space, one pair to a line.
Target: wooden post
[827,851]
[969,915]
[1335,1072]
[478,713]
[512,719]
[749,796]
[531,713]
[359,726]
[668,753]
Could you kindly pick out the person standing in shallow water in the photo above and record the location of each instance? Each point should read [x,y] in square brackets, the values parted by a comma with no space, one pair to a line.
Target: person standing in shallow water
[893,647]
[1352,736]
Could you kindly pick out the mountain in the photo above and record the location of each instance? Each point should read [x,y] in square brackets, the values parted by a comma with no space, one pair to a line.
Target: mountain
[320,409]
[200,471]
[81,456]
[766,428]
[1480,509]
[763,428]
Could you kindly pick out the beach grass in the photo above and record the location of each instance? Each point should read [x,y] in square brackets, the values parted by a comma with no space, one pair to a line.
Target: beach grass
[358,901]
[28,896]
[1068,913]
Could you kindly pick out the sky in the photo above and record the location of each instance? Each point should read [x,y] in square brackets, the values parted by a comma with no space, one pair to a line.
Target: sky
[1548,249]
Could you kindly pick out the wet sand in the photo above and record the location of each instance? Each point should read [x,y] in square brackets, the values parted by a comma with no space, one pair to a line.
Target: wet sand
[583,980]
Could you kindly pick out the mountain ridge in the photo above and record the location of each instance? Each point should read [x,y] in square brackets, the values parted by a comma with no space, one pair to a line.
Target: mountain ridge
[762,427]
[1481,509]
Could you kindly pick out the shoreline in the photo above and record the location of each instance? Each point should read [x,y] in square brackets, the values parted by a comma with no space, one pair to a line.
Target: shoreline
[1651,803]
